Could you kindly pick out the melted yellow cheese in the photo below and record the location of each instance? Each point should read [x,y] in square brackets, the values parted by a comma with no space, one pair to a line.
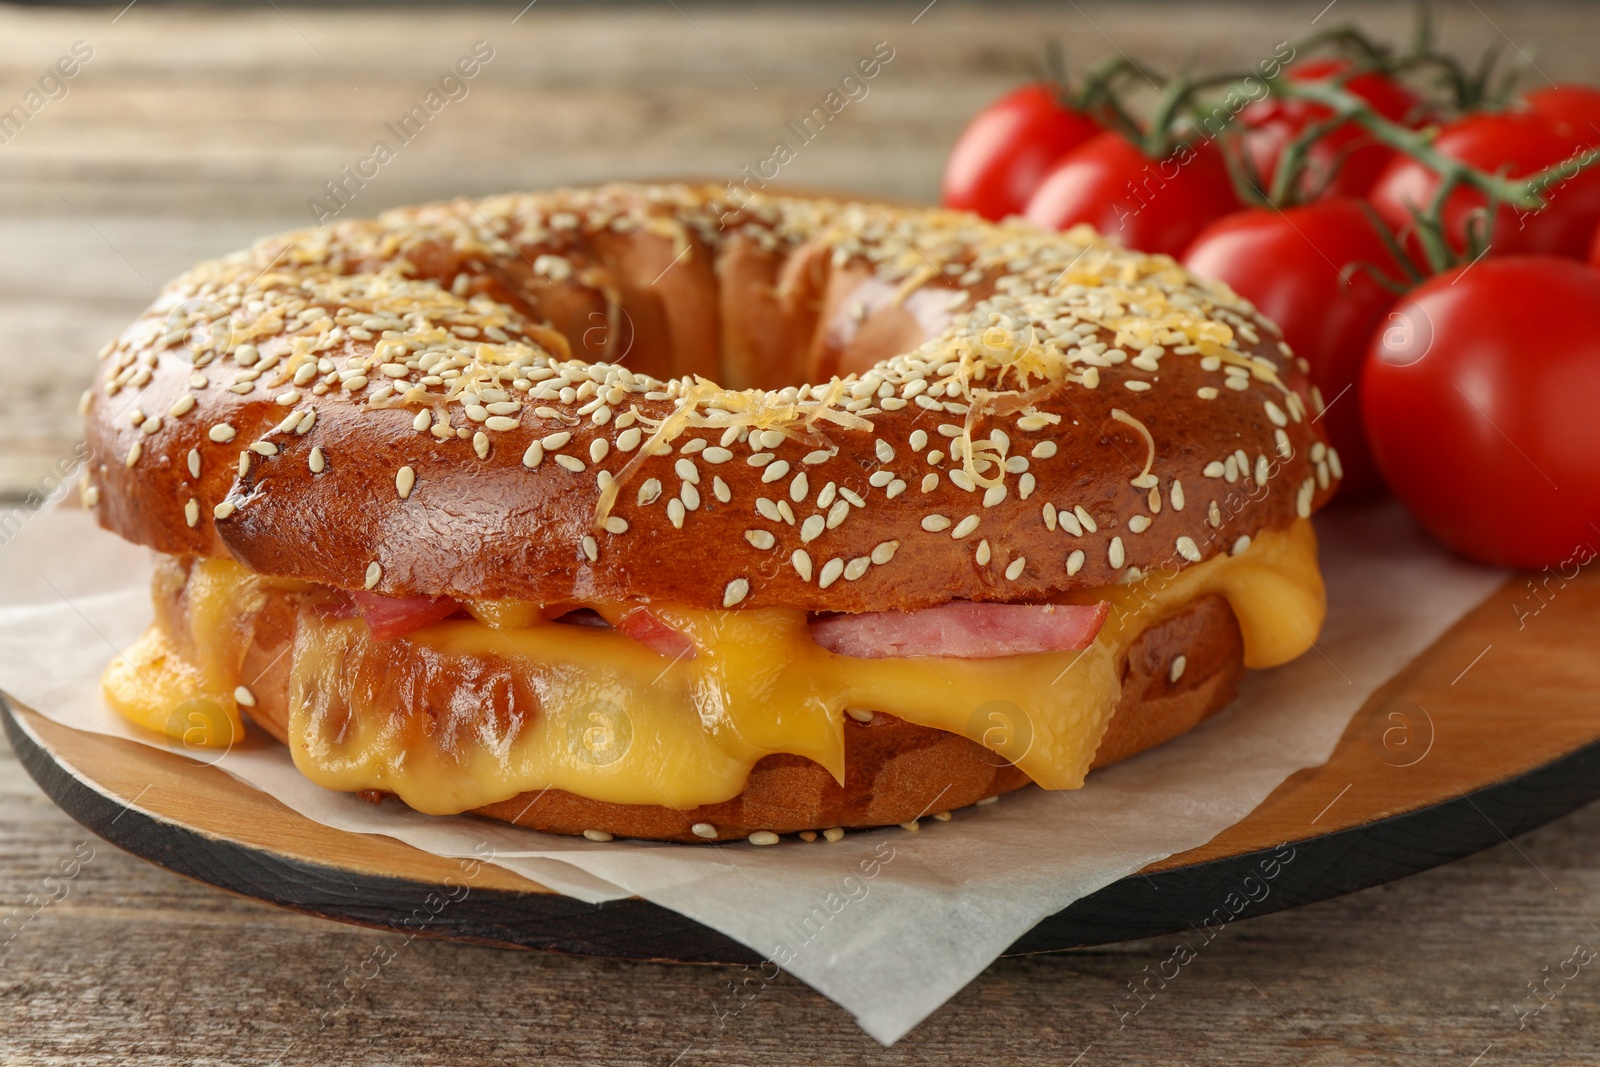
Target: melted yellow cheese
[615,721]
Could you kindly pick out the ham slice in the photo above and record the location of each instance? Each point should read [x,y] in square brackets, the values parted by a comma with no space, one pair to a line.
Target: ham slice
[647,628]
[962,630]
[389,617]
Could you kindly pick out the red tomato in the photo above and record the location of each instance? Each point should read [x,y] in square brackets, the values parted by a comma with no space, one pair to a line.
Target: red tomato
[1343,162]
[1151,205]
[1576,105]
[1288,264]
[1480,398]
[1003,154]
[1520,144]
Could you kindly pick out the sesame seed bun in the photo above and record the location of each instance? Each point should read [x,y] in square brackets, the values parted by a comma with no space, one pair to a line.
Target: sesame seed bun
[1133,459]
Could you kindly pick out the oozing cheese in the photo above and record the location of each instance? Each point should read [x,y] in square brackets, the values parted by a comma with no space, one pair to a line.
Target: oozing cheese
[617,722]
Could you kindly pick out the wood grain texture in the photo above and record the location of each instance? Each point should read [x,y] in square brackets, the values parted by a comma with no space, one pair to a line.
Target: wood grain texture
[193,131]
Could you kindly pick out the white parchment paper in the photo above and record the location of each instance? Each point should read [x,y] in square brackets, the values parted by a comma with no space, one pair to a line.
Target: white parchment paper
[887,923]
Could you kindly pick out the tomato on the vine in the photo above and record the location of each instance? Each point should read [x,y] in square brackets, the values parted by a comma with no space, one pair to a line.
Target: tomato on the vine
[1345,161]
[1002,155]
[1480,398]
[1303,269]
[1576,105]
[1151,205]
[1516,144]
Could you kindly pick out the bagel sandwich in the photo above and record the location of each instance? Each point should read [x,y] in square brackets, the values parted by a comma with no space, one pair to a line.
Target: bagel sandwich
[662,512]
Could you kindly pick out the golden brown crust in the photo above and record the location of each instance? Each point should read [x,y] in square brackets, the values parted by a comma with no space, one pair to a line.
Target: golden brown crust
[761,301]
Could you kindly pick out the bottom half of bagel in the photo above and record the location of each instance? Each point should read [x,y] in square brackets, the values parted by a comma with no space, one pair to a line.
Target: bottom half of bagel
[576,727]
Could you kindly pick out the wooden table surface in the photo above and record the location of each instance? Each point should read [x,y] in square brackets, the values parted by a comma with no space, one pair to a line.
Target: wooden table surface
[191,131]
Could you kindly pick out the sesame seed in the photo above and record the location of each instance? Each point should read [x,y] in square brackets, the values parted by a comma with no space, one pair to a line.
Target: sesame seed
[812,528]
[596,835]
[856,568]
[194,463]
[775,471]
[533,456]
[317,461]
[1176,671]
[1176,495]
[676,513]
[884,450]
[1044,450]
[1188,549]
[243,697]
[1084,517]
[1275,413]
[649,492]
[919,440]
[935,523]
[719,488]
[982,555]
[555,440]
[1075,562]
[244,463]
[191,512]
[762,539]
[964,527]
[799,487]
[1136,385]
[591,548]
[1115,554]
[830,573]
[716,454]
[264,448]
[801,561]
[403,481]
[821,455]
[571,463]
[763,837]
[1241,544]
[860,714]
[181,406]
[994,495]
[1214,515]
[221,433]
[884,552]
[1139,523]
[896,487]
[1206,392]
[134,452]
[686,470]
[374,574]
[1014,571]
[772,438]
[1213,470]
[480,445]
[930,482]
[1144,481]
[834,833]
[501,423]
[704,829]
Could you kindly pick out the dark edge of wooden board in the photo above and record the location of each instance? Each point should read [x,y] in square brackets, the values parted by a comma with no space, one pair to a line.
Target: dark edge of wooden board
[1139,906]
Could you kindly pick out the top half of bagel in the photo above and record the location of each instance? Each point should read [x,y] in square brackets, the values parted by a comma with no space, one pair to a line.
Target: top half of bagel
[672,393]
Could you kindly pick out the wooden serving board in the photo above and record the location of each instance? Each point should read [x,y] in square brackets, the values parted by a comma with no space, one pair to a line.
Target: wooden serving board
[1492,731]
